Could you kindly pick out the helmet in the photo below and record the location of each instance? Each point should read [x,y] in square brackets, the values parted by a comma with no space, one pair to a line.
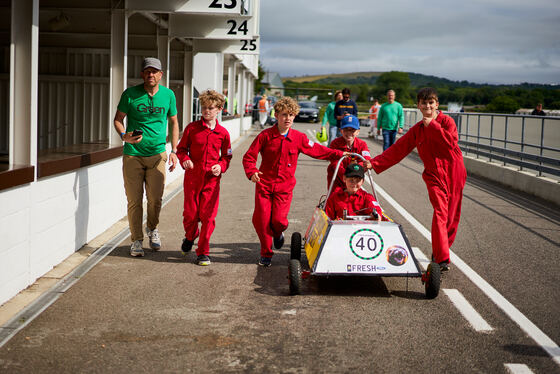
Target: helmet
[322,135]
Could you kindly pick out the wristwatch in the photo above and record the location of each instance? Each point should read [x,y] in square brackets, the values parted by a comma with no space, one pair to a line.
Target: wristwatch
[122,134]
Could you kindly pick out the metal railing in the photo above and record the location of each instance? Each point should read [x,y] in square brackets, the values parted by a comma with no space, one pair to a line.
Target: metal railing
[527,142]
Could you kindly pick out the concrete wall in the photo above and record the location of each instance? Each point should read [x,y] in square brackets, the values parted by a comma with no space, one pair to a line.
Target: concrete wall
[528,182]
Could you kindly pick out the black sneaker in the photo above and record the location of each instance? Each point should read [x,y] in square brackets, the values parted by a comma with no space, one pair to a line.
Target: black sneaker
[265,261]
[444,266]
[279,241]
[203,260]
[186,246]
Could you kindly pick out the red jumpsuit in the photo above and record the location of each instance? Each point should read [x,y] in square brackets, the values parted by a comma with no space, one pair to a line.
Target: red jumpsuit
[360,147]
[444,175]
[205,148]
[359,204]
[273,194]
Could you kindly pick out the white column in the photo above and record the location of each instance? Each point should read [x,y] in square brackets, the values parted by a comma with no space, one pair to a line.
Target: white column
[118,71]
[163,45]
[208,71]
[248,97]
[231,85]
[250,87]
[239,90]
[242,98]
[24,75]
[187,88]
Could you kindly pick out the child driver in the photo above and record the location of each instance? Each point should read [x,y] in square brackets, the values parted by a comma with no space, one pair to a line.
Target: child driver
[353,199]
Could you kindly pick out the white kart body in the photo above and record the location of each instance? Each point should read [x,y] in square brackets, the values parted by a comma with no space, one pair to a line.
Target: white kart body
[358,247]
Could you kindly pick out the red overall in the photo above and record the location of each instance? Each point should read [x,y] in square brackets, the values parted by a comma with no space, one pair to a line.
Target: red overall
[444,175]
[360,147]
[205,148]
[273,194]
[359,204]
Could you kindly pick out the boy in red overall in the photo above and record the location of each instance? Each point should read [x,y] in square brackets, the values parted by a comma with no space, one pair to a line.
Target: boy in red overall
[349,142]
[205,153]
[352,199]
[279,147]
[444,171]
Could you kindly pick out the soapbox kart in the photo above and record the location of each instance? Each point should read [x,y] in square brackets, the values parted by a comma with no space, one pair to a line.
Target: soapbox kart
[356,246]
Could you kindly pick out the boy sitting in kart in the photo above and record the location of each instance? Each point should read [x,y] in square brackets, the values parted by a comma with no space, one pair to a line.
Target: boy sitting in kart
[352,199]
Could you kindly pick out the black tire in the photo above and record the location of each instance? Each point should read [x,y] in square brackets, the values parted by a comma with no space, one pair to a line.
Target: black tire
[294,276]
[433,280]
[295,246]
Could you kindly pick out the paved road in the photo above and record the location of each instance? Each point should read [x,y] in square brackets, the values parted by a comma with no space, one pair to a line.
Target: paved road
[162,313]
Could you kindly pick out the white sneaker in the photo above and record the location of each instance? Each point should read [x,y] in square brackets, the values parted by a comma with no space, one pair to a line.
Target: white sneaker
[155,241]
[136,249]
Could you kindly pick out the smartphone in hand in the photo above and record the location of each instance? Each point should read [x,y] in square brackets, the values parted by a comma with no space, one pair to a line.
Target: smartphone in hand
[137,132]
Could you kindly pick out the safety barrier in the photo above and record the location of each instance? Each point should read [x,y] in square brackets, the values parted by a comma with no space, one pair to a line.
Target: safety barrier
[528,142]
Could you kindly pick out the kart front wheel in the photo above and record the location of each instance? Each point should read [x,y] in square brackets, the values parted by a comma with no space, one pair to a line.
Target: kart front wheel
[433,280]
[295,246]
[294,276]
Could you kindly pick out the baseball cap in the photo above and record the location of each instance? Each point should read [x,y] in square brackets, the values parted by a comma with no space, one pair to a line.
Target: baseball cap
[354,170]
[151,62]
[350,121]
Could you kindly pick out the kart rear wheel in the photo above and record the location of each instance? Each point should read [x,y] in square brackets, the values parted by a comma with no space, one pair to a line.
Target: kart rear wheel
[294,276]
[433,280]
[295,247]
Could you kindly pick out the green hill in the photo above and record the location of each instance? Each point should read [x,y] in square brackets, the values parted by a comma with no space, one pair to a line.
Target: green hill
[416,80]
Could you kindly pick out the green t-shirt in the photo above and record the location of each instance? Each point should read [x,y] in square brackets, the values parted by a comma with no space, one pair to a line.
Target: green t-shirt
[148,113]
[329,115]
[390,116]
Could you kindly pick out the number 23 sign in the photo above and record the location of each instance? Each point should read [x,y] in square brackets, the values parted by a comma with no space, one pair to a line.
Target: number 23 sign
[217,6]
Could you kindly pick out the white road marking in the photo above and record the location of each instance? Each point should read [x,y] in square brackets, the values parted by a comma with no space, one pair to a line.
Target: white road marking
[518,369]
[291,312]
[511,311]
[471,315]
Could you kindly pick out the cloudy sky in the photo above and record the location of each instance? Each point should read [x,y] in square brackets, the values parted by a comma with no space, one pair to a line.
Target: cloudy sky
[493,41]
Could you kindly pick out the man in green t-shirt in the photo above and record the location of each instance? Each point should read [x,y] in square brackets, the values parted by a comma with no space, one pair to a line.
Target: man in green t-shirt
[390,119]
[148,107]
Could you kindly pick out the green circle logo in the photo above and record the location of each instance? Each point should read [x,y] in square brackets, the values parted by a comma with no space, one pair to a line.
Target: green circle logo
[366,244]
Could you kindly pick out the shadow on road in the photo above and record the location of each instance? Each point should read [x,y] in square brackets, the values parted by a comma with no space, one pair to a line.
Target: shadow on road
[525,350]
[235,253]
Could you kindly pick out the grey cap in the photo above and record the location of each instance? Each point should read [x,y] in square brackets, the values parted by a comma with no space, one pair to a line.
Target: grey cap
[151,62]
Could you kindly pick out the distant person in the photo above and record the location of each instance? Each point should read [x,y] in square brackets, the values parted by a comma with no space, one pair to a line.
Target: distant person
[373,112]
[149,107]
[435,137]
[344,107]
[263,110]
[330,118]
[538,111]
[390,119]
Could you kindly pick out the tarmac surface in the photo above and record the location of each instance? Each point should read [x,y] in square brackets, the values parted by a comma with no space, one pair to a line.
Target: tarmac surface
[163,313]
